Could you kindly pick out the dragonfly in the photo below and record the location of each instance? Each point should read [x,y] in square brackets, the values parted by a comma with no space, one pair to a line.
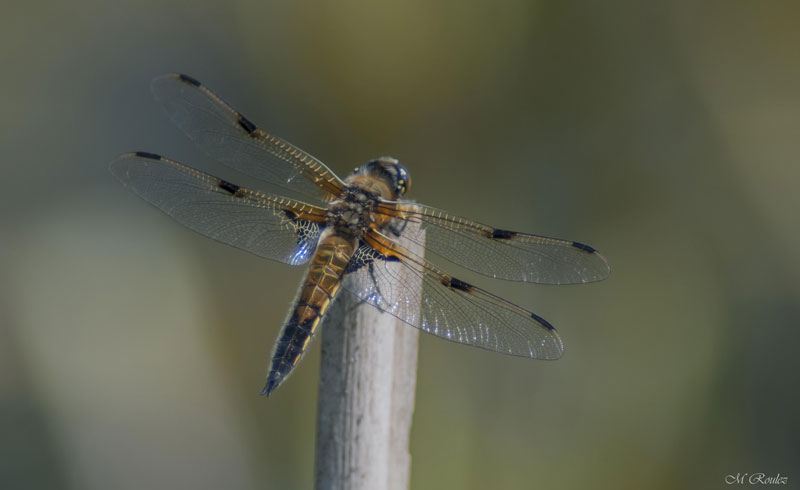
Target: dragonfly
[346,232]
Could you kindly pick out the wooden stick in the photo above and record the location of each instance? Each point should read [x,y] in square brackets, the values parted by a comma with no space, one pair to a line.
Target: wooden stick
[366,395]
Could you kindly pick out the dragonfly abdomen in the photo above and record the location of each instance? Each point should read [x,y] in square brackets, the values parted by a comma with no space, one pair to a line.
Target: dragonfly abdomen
[316,294]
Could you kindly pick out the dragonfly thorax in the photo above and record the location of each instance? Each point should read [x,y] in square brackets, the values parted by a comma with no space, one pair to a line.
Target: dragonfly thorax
[352,213]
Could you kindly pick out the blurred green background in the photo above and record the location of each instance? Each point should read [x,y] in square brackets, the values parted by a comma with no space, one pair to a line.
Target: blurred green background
[666,135]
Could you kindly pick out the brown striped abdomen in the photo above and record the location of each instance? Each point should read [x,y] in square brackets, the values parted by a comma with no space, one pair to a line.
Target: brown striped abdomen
[316,294]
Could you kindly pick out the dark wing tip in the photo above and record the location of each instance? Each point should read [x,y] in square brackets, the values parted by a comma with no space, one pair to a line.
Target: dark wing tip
[592,251]
[121,166]
[542,321]
[245,124]
[151,156]
[584,247]
[187,79]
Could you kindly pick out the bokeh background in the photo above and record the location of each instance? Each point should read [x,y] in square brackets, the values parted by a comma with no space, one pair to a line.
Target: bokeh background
[664,134]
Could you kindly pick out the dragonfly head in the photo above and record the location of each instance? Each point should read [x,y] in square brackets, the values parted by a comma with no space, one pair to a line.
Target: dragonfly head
[389,170]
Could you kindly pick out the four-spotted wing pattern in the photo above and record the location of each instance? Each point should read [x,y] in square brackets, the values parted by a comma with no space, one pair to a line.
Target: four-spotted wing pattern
[232,139]
[501,254]
[288,230]
[448,307]
[265,225]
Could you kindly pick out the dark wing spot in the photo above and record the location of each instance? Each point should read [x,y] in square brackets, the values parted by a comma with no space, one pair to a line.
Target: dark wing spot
[542,321]
[290,214]
[585,248]
[365,255]
[460,285]
[391,258]
[506,234]
[151,156]
[228,187]
[245,124]
[187,79]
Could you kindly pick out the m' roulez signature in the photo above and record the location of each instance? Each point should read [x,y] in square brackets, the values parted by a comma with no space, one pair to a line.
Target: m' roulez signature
[756,479]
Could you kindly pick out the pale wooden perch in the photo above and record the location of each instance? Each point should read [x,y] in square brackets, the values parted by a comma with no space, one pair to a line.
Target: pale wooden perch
[366,394]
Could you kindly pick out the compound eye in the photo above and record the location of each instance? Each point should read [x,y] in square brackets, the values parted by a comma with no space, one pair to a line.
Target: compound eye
[403,179]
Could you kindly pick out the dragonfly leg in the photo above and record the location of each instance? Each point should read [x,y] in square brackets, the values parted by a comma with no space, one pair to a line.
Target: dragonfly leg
[375,283]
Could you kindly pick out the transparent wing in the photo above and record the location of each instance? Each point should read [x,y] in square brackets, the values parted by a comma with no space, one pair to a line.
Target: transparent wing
[233,140]
[269,226]
[498,253]
[447,307]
